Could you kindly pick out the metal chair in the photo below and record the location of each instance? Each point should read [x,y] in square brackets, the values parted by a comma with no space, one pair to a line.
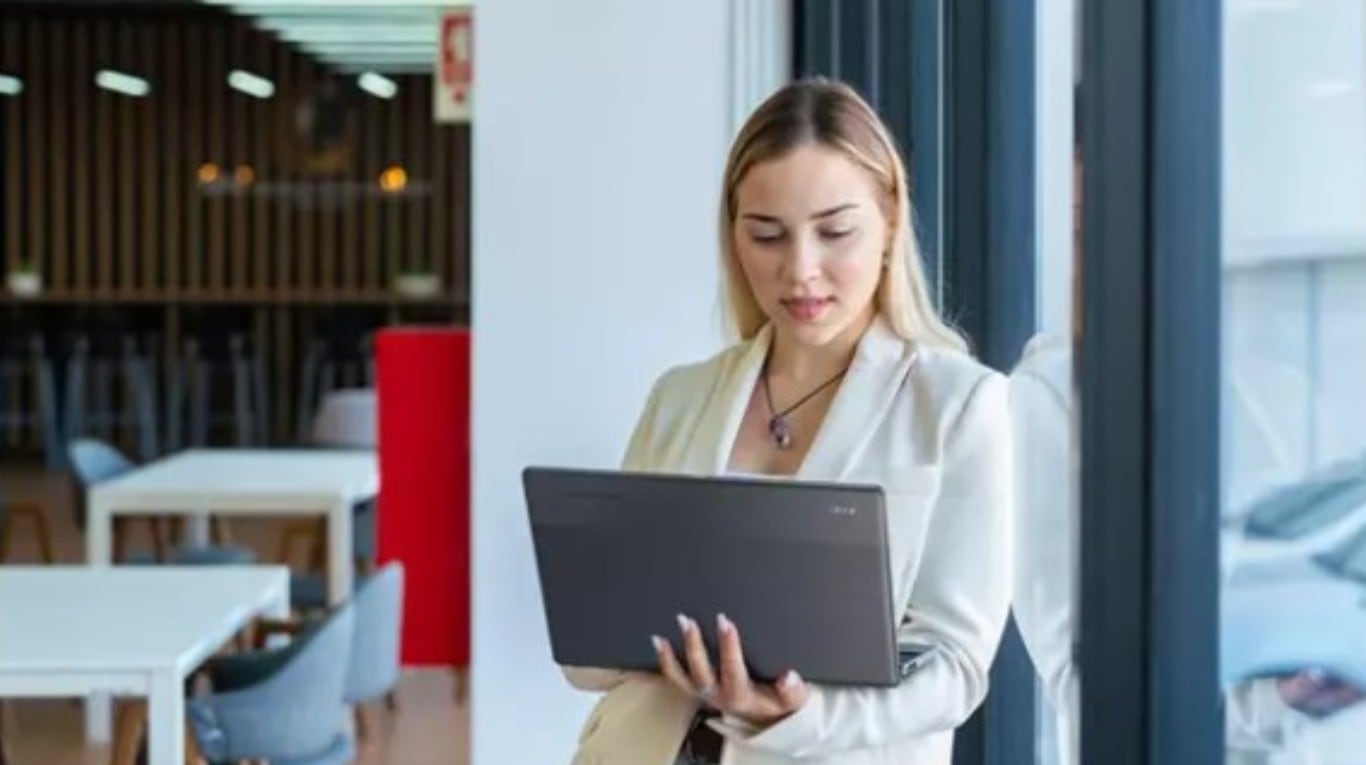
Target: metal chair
[98,364]
[339,341]
[26,366]
[223,354]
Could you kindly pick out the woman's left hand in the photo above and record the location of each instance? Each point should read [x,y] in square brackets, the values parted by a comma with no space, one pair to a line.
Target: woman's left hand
[729,689]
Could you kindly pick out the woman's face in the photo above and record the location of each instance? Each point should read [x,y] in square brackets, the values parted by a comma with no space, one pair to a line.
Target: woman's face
[810,236]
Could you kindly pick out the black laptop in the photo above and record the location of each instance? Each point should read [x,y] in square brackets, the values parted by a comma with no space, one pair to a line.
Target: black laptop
[801,568]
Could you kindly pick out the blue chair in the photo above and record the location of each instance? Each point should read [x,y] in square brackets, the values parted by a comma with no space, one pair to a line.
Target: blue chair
[347,419]
[375,663]
[94,461]
[375,651]
[285,705]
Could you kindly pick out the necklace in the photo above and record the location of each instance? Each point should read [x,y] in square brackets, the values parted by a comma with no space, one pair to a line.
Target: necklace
[779,427]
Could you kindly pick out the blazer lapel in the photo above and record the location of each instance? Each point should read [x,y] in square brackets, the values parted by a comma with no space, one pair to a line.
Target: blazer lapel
[868,391]
[876,373]
[708,451]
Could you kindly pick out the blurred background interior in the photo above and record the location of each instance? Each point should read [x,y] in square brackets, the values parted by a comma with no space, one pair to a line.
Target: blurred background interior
[233,233]
[209,214]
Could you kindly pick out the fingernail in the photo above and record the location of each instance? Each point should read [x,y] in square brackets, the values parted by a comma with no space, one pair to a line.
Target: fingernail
[723,624]
[790,679]
[684,623]
[658,643]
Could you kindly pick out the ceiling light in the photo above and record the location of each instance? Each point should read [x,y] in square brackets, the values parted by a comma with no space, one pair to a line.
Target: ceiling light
[377,85]
[10,86]
[330,6]
[251,84]
[120,82]
[393,179]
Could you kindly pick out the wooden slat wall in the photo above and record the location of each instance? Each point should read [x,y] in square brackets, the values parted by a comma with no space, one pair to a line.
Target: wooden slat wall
[102,192]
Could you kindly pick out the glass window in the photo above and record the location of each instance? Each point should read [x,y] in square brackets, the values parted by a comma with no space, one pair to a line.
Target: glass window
[1043,395]
[1294,375]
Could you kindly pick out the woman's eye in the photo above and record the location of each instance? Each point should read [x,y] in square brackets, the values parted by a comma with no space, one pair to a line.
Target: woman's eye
[837,233]
[766,236]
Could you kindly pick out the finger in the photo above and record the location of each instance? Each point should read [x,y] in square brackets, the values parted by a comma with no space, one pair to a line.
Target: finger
[1343,696]
[695,651]
[734,675]
[669,666]
[792,690]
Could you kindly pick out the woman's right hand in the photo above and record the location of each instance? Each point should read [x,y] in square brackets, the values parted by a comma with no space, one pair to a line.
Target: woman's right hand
[1317,693]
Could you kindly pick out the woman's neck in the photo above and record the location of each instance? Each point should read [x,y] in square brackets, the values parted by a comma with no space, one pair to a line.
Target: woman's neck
[803,364]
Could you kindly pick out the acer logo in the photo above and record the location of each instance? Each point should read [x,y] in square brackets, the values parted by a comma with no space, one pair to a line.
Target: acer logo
[843,510]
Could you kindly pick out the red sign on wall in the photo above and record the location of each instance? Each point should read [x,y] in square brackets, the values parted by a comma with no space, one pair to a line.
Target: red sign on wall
[455,66]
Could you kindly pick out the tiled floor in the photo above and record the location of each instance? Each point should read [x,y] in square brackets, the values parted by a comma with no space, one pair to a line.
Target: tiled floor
[429,728]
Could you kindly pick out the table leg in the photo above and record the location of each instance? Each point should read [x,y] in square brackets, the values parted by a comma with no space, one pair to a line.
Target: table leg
[196,530]
[99,533]
[278,609]
[166,720]
[340,560]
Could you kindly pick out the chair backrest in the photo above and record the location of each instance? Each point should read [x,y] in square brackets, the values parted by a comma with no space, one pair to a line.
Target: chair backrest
[375,659]
[297,711]
[347,419]
[93,461]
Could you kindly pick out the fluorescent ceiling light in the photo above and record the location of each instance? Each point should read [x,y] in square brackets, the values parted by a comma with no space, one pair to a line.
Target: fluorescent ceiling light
[390,67]
[120,82]
[10,86]
[358,34]
[344,18]
[417,49]
[251,84]
[251,6]
[377,85]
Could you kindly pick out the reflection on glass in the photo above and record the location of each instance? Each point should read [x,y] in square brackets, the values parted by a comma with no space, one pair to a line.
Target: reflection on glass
[1043,409]
[1294,421]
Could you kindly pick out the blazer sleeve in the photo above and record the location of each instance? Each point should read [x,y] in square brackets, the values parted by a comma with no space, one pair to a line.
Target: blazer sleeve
[637,457]
[958,605]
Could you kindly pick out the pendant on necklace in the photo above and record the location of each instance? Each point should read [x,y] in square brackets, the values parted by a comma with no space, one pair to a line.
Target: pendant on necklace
[780,431]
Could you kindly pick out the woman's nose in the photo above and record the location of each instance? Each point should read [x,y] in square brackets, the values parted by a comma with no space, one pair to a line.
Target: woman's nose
[803,260]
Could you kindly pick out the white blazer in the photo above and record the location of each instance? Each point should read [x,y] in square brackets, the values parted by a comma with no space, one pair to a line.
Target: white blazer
[932,427]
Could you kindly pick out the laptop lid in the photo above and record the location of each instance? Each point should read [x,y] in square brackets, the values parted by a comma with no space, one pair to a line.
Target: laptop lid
[801,568]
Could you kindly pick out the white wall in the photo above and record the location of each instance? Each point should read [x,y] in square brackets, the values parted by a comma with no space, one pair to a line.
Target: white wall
[600,136]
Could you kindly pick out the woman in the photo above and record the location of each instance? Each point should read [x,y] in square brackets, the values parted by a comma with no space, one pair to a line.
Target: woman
[843,372]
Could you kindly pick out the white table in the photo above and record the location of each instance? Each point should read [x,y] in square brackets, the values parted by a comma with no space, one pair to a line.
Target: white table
[135,631]
[225,482]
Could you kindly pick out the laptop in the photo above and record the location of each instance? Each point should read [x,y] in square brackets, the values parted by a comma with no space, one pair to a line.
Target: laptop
[801,568]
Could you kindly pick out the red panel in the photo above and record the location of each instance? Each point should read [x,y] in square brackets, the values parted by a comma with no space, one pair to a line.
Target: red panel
[424,503]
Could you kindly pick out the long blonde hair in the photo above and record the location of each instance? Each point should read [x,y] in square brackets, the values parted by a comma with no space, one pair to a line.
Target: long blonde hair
[831,114]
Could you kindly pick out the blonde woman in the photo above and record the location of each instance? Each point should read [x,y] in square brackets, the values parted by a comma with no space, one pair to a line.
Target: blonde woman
[842,371]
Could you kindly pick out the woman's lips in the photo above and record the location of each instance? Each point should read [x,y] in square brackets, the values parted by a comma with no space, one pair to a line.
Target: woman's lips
[806,308]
